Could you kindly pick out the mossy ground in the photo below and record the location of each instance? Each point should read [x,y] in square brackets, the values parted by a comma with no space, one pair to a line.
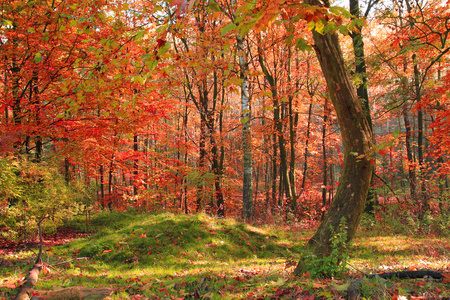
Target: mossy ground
[166,256]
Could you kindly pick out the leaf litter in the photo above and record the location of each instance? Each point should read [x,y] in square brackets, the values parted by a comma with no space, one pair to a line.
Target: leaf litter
[167,256]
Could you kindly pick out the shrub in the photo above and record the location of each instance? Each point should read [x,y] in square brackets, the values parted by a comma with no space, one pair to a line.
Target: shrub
[31,190]
[336,262]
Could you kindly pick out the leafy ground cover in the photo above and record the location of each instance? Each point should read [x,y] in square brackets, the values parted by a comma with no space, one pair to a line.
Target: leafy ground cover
[166,256]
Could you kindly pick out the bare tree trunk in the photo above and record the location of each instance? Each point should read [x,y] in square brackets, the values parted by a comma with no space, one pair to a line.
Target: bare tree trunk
[362,89]
[136,162]
[425,205]
[305,157]
[278,124]
[247,189]
[409,155]
[274,171]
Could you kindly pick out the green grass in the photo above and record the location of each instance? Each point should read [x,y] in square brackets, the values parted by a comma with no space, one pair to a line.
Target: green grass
[166,256]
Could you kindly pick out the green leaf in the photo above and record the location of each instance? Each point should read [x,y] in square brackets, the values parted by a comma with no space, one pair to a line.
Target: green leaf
[396,132]
[320,27]
[38,57]
[244,120]
[228,28]
[302,45]
[343,29]
[164,49]
[342,287]
[214,6]
[139,35]
[245,28]
[245,8]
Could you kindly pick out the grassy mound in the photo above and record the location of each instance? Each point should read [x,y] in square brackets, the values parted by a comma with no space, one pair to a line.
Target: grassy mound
[177,241]
[166,256]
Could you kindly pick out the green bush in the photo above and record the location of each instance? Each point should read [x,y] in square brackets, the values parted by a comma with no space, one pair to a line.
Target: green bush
[335,263]
[30,190]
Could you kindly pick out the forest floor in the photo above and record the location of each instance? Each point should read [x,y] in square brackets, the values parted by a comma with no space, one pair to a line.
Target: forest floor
[166,256]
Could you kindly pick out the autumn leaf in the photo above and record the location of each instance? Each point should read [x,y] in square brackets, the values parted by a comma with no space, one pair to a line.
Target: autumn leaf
[446,277]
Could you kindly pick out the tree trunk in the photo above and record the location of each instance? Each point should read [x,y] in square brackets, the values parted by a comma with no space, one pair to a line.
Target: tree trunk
[425,205]
[357,137]
[274,172]
[293,118]
[326,111]
[362,90]
[247,199]
[285,183]
[305,157]
[136,165]
[409,155]
[110,178]
[201,164]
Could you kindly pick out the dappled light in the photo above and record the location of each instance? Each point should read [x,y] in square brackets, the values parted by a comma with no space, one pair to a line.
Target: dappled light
[224,149]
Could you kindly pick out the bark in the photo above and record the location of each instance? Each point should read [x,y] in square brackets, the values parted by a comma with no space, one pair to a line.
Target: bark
[201,164]
[102,186]
[326,111]
[293,120]
[305,157]
[136,166]
[110,179]
[425,205]
[357,137]
[274,172]
[206,105]
[247,199]
[285,183]
[362,89]
[409,155]
[74,292]
[185,121]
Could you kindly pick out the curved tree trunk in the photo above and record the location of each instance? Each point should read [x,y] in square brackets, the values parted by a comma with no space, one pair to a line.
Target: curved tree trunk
[356,135]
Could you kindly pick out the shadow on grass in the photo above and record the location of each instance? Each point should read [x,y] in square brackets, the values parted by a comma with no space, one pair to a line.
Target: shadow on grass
[173,241]
[186,256]
[399,246]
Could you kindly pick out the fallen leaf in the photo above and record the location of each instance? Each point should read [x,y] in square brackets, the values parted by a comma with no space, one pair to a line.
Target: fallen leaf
[319,285]
[446,277]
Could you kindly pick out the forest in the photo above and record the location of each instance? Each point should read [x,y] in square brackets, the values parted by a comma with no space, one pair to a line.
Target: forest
[316,123]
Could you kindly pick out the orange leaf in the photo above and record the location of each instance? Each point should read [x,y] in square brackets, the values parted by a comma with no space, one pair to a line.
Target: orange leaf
[446,277]
[412,268]
[317,285]
[420,283]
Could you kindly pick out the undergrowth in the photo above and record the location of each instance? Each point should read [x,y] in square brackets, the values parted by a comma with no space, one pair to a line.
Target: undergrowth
[166,256]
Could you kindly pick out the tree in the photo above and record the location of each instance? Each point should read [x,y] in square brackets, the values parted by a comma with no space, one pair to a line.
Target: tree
[362,87]
[356,135]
